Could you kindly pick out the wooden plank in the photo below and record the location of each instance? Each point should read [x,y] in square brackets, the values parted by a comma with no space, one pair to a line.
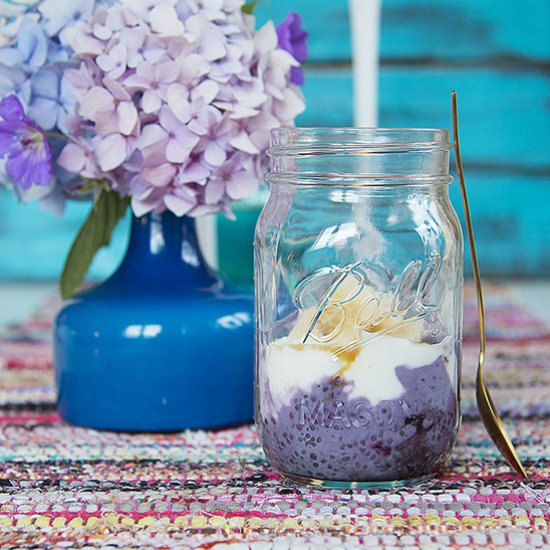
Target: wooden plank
[34,243]
[512,237]
[435,30]
[510,218]
[505,116]
[511,222]
[467,30]
[329,98]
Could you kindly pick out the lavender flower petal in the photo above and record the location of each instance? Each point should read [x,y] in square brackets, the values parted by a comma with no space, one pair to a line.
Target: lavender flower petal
[25,146]
[293,39]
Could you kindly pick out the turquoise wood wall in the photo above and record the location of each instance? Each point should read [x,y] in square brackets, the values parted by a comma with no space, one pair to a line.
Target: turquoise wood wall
[495,54]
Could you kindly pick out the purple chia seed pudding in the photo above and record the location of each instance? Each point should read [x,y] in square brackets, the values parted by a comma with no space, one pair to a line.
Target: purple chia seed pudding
[324,435]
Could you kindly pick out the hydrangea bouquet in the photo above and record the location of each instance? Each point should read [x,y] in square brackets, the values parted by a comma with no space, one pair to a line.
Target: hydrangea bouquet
[157,104]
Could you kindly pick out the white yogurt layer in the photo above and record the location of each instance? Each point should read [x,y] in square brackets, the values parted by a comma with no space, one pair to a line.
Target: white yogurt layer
[291,367]
[356,316]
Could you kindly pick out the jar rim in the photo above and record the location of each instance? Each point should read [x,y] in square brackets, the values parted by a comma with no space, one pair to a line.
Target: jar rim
[287,140]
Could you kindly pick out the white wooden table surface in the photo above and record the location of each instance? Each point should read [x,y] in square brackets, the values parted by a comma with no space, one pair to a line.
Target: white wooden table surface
[19,300]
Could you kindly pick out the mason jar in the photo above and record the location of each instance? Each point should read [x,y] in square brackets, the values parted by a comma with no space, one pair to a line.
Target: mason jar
[358,281]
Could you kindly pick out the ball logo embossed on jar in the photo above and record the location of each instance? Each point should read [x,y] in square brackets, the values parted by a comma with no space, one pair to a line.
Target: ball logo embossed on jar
[408,300]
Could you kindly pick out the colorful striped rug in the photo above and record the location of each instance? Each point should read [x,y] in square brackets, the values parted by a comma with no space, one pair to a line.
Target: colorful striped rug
[67,487]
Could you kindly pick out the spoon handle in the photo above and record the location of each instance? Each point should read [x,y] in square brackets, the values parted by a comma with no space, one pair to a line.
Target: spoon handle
[487,410]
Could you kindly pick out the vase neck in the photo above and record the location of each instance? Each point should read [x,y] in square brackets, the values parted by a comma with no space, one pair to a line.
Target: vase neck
[164,248]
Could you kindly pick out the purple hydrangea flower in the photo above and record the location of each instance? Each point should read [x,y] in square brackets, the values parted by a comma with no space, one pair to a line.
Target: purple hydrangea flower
[31,48]
[293,39]
[25,146]
[52,99]
[176,100]
[14,81]
[60,14]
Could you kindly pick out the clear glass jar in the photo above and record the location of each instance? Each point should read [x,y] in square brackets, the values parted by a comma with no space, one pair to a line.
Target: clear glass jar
[358,274]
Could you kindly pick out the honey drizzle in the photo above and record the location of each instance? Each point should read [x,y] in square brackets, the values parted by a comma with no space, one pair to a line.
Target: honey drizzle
[345,355]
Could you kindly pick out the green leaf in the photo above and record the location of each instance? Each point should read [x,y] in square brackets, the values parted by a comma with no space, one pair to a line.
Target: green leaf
[249,7]
[109,207]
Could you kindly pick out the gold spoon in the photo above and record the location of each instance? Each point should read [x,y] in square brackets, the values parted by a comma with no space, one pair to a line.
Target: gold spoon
[487,410]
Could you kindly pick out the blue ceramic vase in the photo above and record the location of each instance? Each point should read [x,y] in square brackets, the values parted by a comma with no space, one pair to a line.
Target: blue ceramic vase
[161,345]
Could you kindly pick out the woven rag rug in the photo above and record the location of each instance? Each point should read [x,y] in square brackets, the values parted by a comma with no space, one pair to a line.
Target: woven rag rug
[68,487]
